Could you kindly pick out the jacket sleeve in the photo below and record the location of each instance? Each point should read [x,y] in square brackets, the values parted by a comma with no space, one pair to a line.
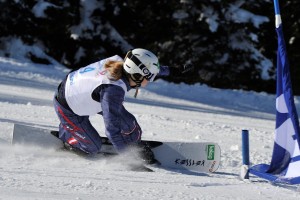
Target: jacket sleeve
[176,71]
[121,126]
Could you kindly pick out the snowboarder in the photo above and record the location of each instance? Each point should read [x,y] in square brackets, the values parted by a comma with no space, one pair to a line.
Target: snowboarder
[100,88]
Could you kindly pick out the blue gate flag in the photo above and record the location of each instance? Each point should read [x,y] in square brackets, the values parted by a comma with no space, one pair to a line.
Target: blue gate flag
[285,163]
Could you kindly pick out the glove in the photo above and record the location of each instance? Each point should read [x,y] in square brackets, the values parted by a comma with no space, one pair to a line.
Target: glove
[146,154]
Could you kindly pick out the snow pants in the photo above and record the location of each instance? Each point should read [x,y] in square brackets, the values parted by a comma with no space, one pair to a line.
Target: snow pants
[77,131]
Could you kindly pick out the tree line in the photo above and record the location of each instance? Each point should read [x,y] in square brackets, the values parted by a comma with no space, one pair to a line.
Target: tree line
[232,44]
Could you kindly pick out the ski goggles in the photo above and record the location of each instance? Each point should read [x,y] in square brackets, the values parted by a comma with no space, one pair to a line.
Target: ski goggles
[137,78]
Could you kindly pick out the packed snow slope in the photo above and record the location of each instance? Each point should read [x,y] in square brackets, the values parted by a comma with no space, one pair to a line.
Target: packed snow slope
[166,112]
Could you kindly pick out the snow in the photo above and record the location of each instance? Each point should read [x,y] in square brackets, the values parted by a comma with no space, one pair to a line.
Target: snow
[211,19]
[85,22]
[166,111]
[40,7]
[240,15]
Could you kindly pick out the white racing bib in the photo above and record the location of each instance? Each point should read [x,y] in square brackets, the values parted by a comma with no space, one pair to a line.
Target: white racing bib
[81,83]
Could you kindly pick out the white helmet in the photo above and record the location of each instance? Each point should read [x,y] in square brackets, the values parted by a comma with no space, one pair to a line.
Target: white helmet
[142,62]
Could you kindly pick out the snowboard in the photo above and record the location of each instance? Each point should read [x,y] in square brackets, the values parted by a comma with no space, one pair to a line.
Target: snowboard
[203,157]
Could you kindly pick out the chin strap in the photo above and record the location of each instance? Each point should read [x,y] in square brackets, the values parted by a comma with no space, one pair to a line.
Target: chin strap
[136,92]
[136,87]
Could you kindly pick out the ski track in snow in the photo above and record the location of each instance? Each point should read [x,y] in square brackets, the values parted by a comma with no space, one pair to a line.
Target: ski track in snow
[166,112]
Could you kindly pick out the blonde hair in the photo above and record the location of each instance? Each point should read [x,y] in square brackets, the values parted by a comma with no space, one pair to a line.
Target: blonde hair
[115,68]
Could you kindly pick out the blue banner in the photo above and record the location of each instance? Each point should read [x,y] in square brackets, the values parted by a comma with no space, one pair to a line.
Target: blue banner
[285,163]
